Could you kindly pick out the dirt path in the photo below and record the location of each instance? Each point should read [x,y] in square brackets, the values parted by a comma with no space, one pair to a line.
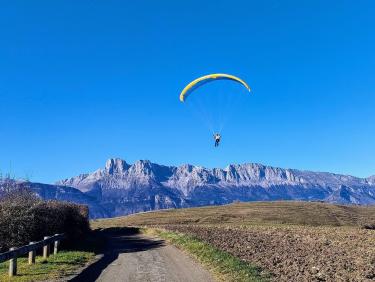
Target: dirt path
[130,256]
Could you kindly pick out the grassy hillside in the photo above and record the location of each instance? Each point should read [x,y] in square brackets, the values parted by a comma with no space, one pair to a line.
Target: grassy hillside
[254,213]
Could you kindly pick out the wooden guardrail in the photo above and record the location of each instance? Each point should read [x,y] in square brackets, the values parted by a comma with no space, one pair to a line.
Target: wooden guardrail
[14,253]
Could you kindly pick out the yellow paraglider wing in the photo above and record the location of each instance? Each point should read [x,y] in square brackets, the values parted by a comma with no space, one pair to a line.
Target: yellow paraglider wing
[208,78]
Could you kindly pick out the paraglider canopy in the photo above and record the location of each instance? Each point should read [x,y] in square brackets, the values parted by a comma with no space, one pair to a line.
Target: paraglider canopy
[208,78]
[214,107]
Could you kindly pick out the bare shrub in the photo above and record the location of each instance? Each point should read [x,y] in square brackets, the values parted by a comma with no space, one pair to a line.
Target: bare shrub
[24,217]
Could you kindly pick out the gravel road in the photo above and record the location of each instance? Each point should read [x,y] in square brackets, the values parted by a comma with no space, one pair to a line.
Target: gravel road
[131,256]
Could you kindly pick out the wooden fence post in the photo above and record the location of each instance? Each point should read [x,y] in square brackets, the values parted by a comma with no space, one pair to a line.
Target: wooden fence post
[56,246]
[32,255]
[12,264]
[46,249]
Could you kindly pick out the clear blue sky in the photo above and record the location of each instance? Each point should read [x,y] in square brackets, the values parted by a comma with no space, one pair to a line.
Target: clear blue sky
[83,81]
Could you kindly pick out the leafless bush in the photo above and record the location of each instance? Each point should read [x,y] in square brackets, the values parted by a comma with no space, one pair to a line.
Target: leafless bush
[24,217]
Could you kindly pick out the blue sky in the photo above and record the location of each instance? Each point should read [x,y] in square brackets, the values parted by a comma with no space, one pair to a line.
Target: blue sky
[83,81]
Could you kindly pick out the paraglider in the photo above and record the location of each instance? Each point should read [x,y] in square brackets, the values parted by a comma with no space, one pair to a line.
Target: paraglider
[197,83]
[217,138]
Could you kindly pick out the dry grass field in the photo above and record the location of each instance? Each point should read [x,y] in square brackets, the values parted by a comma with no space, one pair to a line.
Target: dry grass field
[295,241]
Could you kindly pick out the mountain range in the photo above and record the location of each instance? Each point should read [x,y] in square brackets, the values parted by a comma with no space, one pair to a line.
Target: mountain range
[121,188]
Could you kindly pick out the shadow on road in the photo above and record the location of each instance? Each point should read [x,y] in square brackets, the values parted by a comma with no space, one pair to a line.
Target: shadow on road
[117,240]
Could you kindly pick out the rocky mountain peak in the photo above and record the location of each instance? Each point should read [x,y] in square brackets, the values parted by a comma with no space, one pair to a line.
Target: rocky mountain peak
[142,167]
[185,168]
[371,179]
[116,166]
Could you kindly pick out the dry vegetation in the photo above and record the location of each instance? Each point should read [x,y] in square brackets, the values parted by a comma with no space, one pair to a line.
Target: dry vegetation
[262,213]
[295,241]
[25,218]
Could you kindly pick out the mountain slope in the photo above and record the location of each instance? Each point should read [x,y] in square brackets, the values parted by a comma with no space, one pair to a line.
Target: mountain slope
[122,188]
